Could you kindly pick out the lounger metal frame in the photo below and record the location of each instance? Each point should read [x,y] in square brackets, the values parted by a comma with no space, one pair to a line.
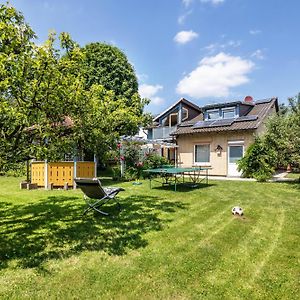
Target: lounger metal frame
[95,195]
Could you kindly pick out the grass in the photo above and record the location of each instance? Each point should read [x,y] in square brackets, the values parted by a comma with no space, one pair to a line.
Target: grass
[163,245]
[293,175]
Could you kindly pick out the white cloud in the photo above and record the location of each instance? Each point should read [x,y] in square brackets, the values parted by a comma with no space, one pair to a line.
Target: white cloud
[187,3]
[157,100]
[150,91]
[255,31]
[142,77]
[211,48]
[181,19]
[113,42]
[214,2]
[258,54]
[232,43]
[215,76]
[184,37]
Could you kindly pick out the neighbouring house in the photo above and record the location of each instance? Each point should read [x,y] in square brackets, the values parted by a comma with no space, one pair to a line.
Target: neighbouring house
[166,123]
[215,135]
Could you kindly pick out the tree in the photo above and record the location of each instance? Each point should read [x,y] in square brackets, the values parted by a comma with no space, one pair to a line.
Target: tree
[283,109]
[259,161]
[294,104]
[99,123]
[293,132]
[117,105]
[283,134]
[37,89]
[279,147]
[48,107]
[108,66]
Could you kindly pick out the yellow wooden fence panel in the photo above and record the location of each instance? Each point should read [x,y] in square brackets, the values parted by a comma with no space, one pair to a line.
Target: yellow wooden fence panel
[60,173]
[85,169]
[38,173]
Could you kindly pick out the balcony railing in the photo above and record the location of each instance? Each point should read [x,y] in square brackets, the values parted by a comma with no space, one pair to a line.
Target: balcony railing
[162,132]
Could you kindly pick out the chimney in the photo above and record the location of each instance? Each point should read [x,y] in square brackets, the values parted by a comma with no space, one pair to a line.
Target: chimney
[248,99]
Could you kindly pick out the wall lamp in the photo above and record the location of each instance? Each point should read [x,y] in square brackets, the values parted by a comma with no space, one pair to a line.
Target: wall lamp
[219,150]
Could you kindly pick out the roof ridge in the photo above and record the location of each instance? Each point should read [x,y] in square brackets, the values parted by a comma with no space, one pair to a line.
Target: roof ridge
[265,100]
[176,103]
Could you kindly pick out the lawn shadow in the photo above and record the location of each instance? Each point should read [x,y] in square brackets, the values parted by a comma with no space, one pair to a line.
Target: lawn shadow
[54,228]
[183,187]
[293,184]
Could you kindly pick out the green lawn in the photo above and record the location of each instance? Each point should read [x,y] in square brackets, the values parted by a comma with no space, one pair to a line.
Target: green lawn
[163,245]
[293,175]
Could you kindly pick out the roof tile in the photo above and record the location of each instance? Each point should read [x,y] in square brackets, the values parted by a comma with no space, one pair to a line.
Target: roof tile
[260,109]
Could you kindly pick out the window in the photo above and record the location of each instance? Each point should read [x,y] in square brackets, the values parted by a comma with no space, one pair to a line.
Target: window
[228,113]
[202,153]
[213,114]
[235,153]
[165,121]
[170,120]
[173,119]
[185,114]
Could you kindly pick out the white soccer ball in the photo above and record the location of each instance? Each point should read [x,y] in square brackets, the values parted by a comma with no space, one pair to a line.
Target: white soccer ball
[237,211]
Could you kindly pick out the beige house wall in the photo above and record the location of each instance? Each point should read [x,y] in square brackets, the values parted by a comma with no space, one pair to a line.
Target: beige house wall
[218,162]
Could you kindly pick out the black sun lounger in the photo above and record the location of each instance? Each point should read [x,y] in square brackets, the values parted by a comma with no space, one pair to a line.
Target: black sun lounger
[95,195]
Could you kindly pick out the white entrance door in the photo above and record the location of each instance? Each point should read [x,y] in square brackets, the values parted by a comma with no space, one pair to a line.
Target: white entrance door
[235,152]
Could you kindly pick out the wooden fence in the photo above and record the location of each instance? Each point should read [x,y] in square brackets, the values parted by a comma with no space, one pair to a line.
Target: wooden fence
[60,173]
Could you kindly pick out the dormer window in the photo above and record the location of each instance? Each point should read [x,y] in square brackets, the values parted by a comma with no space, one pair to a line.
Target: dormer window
[213,114]
[185,114]
[228,113]
[220,113]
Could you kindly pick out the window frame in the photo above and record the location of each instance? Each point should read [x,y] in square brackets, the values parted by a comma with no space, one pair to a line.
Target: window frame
[212,111]
[209,157]
[227,109]
[187,114]
[170,119]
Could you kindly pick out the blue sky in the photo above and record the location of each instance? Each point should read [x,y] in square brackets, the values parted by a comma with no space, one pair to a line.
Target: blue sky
[204,50]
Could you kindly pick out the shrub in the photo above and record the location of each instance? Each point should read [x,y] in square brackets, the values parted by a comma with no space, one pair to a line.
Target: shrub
[131,174]
[14,170]
[259,161]
[116,173]
[136,161]
[153,160]
[132,152]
